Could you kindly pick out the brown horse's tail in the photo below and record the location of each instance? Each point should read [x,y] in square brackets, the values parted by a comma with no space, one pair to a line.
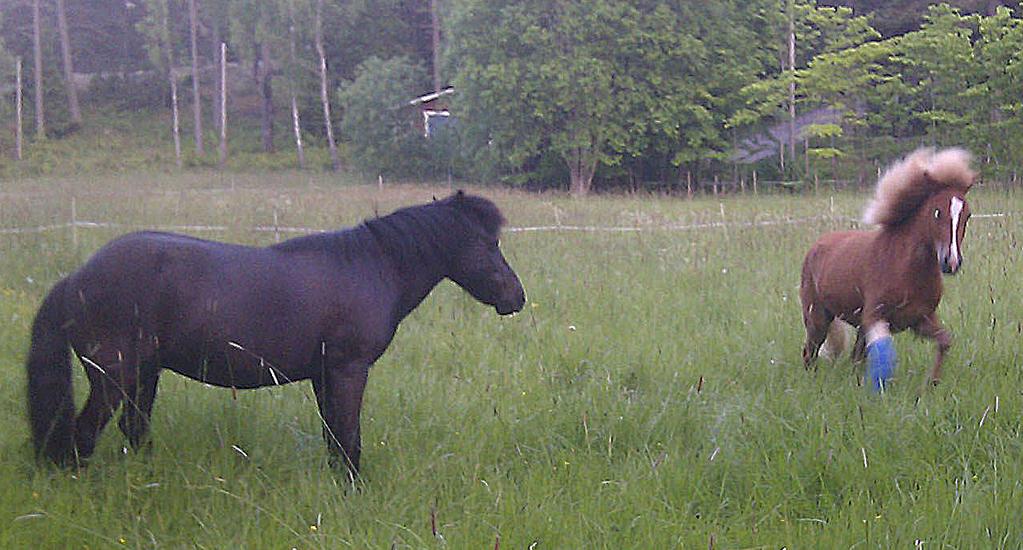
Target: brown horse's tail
[51,406]
[836,341]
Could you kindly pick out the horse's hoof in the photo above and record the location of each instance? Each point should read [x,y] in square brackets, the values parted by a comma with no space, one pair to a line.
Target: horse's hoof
[144,446]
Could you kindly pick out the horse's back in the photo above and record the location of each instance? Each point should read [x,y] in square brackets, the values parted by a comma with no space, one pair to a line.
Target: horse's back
[833,274]
[828,247]
[127,279]
[136,265]
[205,300]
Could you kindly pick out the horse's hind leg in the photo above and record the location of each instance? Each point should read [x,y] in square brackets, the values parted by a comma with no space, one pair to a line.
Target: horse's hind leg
[108,381]
[930,327]
[138,406]
[817,321]
[859,350]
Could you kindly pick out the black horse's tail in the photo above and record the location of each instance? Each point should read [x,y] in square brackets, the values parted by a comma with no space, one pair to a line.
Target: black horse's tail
[51,406]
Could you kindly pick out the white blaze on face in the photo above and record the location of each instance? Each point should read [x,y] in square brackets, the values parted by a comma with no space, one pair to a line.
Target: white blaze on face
[955,209]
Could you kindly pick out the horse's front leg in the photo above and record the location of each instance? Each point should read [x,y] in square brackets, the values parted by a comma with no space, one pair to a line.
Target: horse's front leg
[930,327]
[339,392]
[880,353]
[138,405]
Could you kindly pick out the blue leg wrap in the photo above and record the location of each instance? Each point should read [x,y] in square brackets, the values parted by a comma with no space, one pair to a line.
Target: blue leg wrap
[880,363]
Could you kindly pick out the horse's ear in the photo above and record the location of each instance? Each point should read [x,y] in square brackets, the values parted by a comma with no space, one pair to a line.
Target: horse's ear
[435,198]
[460,193]
[928,178]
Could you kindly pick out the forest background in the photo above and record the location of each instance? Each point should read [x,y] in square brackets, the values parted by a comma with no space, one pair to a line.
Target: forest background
[575,94]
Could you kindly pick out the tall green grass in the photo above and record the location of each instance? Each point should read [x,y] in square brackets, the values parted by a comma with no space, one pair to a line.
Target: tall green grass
[651,395]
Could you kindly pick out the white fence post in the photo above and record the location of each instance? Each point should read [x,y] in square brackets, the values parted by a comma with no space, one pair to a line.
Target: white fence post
[74,223]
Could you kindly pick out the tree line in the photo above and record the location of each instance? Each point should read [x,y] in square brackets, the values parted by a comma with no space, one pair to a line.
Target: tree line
[662,91]
[304,48]
[583,93]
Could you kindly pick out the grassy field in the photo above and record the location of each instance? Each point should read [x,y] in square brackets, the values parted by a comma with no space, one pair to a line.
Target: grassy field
[651,395]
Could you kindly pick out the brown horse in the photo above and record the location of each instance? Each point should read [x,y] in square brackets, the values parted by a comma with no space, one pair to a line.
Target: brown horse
[889,279]
[321,308]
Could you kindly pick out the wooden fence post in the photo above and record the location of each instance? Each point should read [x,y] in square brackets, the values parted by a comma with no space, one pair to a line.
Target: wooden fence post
[277,229]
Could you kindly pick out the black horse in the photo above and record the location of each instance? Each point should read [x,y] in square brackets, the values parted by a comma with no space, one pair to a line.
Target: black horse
[321,308]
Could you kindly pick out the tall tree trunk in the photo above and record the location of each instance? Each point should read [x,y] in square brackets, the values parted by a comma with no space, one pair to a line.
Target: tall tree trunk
[292,85]
[435,24]
[581,167]
[266,93]
[781,158]
[37,54]
[335,159]
[193,29]
[65,50]
[177,120]
[215,99]
[792,83]
[17,110]
[297,126]
[168,63]
[222,92]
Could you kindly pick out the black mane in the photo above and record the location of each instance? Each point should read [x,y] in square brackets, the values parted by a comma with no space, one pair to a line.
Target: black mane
[426,232]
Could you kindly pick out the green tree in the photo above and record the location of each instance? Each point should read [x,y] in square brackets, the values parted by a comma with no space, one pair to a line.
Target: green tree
[733,36]
[937,65]
[156,31]
[836,60]
[378,118]
[853,81]
[215,15]
[997,106]
[586,80]
[259,31]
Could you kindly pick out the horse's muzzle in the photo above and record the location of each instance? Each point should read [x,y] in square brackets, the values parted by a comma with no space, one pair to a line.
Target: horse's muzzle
[512,305]
[950,267]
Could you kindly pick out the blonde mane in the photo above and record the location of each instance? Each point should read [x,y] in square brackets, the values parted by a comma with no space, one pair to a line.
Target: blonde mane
[910,181]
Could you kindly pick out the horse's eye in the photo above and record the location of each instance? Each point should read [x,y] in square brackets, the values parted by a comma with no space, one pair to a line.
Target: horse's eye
[937,213]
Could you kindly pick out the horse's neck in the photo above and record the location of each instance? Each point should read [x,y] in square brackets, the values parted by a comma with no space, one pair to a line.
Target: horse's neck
[414,280]
[912,249]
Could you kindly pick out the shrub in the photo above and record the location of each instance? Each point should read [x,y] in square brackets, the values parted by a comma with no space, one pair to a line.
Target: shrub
[379,122]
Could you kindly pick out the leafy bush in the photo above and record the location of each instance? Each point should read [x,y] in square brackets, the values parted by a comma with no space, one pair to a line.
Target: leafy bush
[379,122]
